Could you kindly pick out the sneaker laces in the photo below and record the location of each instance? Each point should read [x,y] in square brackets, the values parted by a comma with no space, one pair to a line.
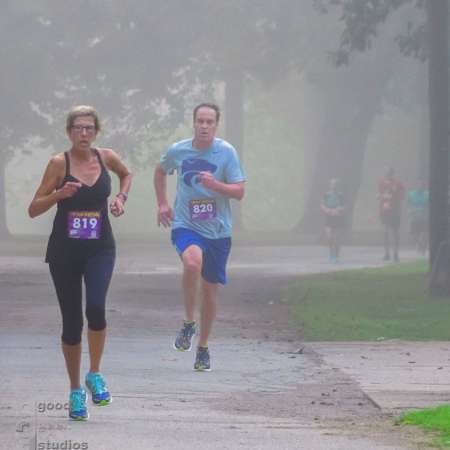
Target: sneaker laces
[186,331]
[77,400]
[99,383]
[202,354]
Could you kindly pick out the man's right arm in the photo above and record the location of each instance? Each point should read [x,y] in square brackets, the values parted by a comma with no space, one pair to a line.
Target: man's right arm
[165,213]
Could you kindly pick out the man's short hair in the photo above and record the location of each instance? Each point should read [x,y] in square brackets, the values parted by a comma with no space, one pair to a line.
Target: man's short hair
[212,106]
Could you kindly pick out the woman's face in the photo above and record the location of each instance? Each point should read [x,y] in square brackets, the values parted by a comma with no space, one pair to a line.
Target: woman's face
[82,133]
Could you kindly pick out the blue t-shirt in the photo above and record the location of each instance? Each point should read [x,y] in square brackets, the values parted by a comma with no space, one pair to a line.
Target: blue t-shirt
[197,208]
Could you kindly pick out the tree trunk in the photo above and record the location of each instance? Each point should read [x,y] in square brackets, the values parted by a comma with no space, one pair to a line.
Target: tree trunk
[349,111]
[340,155]
[4,232]
[234,125]
[423,160]
[438,73]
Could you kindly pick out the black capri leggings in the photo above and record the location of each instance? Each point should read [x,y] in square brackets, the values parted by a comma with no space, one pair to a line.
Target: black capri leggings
[67,278]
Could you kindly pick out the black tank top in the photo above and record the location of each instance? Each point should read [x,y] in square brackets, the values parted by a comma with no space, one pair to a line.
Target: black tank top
[81,227]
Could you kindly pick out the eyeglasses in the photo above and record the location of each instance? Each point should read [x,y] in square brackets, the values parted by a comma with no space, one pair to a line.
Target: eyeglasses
[80,128]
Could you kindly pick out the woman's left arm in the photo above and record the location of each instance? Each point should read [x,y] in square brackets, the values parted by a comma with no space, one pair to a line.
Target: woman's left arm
[116,165]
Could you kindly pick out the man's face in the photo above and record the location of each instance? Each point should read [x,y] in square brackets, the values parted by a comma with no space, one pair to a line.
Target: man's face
[205,126]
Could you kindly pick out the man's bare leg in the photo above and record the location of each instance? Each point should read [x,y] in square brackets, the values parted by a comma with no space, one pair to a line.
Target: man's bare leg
[208,312]
[192,259]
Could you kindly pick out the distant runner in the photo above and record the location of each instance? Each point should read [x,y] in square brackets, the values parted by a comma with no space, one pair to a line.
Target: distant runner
[391,193]
[333,206]
[418,203]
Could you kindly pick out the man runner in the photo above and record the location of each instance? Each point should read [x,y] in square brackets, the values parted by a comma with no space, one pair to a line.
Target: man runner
[209,174]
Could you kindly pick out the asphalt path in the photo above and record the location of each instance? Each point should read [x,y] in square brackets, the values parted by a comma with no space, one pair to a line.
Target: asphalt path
[267,389]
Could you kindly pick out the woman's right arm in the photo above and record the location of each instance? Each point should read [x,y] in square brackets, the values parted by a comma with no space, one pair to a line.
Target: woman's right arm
[46,195]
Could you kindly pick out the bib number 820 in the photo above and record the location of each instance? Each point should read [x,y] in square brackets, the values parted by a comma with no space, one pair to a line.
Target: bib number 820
[203,208]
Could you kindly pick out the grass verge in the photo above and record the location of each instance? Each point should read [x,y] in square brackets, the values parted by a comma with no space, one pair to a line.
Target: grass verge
[369,304]
[436,420]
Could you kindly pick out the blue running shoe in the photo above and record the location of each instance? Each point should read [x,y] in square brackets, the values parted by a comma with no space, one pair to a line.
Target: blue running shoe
[202,360]
[96,384]
[183,341]
[77,404]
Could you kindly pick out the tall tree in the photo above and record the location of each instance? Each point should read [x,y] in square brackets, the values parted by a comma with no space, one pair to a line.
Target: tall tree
[23,84]
[123,58]
[356,87]
[437,11]
[424,39]
[241,41]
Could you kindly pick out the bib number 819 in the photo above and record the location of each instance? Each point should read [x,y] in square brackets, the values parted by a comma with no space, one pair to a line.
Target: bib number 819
[84,223]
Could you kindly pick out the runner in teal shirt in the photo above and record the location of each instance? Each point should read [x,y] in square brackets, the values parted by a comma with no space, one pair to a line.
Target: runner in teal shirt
[418,200]
[333,206]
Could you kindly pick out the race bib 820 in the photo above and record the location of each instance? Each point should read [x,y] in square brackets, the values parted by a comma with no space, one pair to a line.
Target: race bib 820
[203,209]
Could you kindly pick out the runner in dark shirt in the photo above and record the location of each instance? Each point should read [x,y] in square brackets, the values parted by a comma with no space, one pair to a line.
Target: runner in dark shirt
[81,245]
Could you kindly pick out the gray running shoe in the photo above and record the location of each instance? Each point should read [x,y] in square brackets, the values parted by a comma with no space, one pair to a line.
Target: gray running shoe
[202,360]
[183,341]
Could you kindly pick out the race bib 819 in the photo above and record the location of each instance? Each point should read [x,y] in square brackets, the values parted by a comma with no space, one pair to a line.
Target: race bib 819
[84,224]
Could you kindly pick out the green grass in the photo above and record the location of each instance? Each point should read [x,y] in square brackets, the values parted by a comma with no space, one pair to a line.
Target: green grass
[431,419]
[369,304]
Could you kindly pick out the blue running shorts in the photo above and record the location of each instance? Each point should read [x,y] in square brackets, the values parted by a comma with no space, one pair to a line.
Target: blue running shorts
[215,252]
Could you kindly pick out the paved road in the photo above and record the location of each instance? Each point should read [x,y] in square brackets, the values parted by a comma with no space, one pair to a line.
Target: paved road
[267,388]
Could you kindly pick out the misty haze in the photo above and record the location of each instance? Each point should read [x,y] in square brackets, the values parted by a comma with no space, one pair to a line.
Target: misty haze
[313,313]
[296,118]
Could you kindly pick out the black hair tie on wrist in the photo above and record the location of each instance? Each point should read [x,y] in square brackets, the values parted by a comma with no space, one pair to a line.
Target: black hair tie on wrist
[124,196]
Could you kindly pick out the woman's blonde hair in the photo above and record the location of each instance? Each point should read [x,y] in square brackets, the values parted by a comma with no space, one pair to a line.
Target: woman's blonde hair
[82,110]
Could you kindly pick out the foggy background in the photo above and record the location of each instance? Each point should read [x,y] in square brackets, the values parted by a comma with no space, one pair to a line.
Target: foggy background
[297,115]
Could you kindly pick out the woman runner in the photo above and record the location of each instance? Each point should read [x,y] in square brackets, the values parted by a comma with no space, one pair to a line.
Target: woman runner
[81,246]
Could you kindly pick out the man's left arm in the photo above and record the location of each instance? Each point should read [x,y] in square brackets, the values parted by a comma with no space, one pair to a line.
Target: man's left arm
[230,190]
